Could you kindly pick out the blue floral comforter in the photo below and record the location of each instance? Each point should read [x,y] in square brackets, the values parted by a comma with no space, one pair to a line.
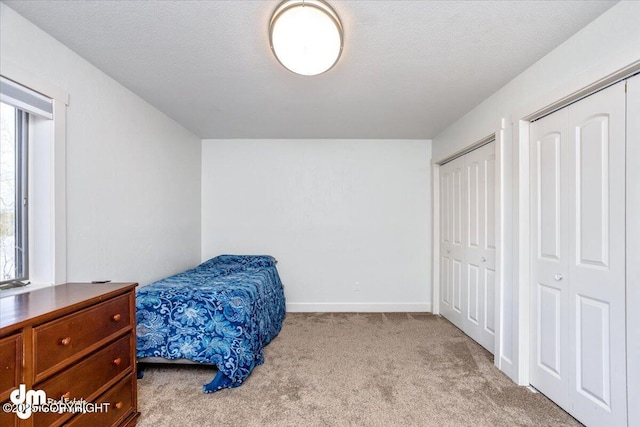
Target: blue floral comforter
[223,312]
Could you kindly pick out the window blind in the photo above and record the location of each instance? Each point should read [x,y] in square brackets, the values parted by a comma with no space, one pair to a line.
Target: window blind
[25,99]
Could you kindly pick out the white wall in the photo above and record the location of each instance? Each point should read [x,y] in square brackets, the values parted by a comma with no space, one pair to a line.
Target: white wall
[133,174]
[609,43]
[333,212]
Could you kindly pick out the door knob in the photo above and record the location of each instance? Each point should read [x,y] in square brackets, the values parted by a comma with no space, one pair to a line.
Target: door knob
[558,276]
[483,259]
[448,251]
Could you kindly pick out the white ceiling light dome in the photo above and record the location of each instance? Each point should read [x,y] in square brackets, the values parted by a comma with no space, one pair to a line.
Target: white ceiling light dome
[306,36]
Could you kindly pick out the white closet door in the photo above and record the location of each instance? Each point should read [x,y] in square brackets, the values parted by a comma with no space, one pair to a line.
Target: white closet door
[451,247]
[480,252]
[596,199]
[578,258]
[549,296]
[467,247]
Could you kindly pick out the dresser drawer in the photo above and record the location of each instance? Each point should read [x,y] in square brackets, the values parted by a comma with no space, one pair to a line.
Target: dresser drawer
[84,379]
[10,364]
[121,407]
[68,338]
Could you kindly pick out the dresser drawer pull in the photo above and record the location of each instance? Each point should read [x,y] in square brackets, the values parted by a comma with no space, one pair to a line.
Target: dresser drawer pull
[117,361]
[66,395]
[65,341]
[116,317]
[119,405]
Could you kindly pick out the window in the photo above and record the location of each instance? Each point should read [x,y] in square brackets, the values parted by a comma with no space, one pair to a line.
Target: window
[14,259]
[24,140]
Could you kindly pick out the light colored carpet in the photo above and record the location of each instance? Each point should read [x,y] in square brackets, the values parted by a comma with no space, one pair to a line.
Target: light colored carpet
[349,369]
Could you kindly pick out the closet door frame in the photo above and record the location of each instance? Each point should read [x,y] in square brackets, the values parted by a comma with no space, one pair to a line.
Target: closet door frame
[521,228]
[499,303]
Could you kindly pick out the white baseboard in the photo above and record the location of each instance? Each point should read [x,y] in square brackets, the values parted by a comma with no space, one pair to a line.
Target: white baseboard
[330,307]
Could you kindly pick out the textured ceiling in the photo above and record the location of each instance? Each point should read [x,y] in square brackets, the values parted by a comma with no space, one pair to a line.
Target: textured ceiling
[409,68]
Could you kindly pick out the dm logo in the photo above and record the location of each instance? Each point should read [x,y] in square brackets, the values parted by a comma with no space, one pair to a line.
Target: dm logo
[26,400]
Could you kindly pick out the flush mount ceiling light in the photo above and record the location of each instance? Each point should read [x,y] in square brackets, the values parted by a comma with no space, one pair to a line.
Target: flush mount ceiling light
[306,36]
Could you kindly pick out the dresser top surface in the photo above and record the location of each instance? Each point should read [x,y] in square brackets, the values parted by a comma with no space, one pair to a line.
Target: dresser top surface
[16,310]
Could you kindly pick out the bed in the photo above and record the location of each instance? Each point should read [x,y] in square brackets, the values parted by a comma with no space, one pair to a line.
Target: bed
[223,313]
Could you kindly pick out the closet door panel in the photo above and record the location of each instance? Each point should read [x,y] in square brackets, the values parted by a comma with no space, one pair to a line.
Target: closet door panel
[490,207]
[488,244]
[445,239]
[489,301]
[473,293]
[597,251]
[592,147]
[456,275]
[548,183]
[549,346]
[457,250]
[473,179]
[479,266]
[549,294]
[457,199]
[451,232]
[474,286]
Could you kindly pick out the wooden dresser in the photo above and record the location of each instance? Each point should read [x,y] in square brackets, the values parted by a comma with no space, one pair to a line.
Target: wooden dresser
[74,341]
